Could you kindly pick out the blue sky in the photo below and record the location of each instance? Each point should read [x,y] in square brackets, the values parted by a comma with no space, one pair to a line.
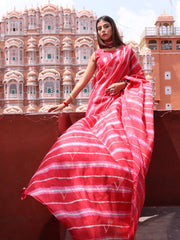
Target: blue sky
[131,16]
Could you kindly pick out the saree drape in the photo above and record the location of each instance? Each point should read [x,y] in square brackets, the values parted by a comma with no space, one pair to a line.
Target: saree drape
[93,178]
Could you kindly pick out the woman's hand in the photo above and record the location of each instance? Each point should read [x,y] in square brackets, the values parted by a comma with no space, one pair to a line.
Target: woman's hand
[115,88]
[57,108]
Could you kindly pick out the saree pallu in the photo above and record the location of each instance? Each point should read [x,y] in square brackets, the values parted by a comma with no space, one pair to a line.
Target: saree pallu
[93,178]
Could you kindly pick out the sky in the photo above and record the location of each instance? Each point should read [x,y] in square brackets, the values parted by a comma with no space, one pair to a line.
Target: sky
[131,16]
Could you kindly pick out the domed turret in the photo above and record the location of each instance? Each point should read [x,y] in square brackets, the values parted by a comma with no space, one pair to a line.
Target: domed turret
[165,18]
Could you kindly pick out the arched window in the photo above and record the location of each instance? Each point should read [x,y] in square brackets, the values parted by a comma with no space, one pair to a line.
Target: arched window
[31,58]
[152,44]
[50,52]
[13,90]
[49,23]
[84,24]
[49,49]
[166,45]
[13,25]
[20,89]
[14,51]
[13,55]
[5,88]
[67,21]
[66,90]
[32,22]
[49,87]
[67,56]
[21,26]
[13,86]
[178,44]
[31,91]
[84,54]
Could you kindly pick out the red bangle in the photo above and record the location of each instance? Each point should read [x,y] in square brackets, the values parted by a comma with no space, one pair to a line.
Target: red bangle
[65,103]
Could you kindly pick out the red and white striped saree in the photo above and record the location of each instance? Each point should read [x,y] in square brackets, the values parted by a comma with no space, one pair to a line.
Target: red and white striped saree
[92,179]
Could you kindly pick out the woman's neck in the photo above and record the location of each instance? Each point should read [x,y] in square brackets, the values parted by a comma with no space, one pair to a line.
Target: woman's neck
[109,44]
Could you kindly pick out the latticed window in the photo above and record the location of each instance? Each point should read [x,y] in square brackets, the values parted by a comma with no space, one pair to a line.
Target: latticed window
[5,88]
[49,22]
[13,89]
[178,44]
[21,55]
[49,87]
[153,44]
[13,55]
[84,52]
[13,25]
[166,45]
[20,88]
[20,26]
[67,21]
[84,24]
[32,22]
[50,52]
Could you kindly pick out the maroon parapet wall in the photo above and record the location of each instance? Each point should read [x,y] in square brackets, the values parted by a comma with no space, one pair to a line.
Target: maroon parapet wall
[163,179]
[25,139]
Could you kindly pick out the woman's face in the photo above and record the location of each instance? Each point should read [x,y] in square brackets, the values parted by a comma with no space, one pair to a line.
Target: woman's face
[104,30]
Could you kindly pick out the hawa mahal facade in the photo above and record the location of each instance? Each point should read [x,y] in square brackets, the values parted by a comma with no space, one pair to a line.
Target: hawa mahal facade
[44,53]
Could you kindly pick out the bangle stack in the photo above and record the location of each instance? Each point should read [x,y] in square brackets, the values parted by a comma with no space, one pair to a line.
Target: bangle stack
[72,99]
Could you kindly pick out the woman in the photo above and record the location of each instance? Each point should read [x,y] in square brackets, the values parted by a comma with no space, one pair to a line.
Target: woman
[93,178]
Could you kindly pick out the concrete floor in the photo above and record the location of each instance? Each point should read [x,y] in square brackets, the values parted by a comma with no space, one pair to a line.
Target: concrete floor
[159,223]
[156,223]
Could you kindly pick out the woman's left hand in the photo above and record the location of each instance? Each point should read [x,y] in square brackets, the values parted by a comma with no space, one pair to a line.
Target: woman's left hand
[115,88]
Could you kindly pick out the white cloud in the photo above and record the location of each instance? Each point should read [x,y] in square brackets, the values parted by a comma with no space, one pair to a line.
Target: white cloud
[178,14]
[133,23]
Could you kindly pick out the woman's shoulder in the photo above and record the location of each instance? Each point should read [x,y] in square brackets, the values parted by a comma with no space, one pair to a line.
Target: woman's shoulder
[97,53]
[127,48]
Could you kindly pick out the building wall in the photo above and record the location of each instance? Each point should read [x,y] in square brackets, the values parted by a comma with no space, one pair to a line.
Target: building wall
[164,42]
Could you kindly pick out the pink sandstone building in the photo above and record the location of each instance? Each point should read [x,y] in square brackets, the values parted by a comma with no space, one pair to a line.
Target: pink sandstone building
[43,54]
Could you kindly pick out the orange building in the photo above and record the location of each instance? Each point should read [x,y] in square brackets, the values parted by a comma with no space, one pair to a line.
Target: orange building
[164,42]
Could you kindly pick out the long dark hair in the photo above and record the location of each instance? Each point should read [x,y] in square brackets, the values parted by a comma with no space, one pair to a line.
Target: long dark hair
[115,34]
